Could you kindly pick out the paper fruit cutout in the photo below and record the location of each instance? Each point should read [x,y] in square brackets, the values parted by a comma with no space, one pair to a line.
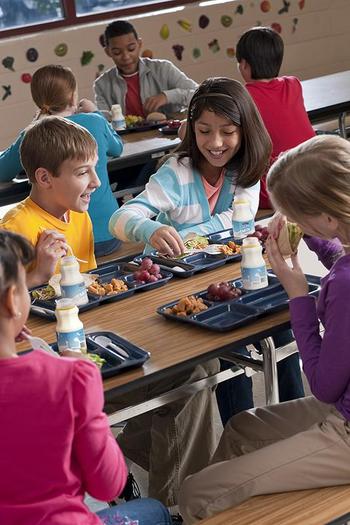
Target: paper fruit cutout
[214,46]
[226,20]
[7,92]
[301,4]
[276,27]
[178,50]
[230,52]
[239,10]
[185,24]
[8,63]
[196,53]
[86,58]
[26,78]
[32,54]
[61,50]
[164,31]
[265,6]
[295,22]
[148,53]
[285,7]
[203,21]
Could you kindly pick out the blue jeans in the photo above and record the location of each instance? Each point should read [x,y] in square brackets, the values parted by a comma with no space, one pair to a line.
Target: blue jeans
[236,394]
[106,247]
[144,511]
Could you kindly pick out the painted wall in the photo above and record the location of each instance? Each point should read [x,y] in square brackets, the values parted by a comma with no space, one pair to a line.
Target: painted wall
[199,40]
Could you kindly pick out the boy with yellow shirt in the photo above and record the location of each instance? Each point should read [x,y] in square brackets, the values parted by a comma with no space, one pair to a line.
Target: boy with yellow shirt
[59,158]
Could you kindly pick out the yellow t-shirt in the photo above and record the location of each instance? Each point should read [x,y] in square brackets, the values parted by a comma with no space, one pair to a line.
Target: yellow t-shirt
[29,220]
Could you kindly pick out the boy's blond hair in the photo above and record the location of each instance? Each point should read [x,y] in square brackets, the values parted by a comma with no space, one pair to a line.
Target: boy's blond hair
[49,142]
[313,178]
[53,88]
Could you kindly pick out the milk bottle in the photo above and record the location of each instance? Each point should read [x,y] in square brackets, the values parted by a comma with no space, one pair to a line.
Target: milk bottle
[118,120]
[253,267]
[242,220]
[69,329]
[72,282]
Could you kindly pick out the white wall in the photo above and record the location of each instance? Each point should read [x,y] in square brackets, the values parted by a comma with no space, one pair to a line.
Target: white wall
[316,34]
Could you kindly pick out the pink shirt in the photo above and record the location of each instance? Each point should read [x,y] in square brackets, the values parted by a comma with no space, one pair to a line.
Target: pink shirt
[55,442]
[213,192]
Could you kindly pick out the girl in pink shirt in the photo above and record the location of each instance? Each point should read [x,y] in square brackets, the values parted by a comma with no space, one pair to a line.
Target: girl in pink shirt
[55,442]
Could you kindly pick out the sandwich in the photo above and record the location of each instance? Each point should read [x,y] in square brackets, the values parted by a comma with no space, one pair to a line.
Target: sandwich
[289,238]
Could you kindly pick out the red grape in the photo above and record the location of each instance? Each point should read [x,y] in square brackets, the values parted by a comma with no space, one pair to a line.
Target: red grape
[154,269]
[146,263]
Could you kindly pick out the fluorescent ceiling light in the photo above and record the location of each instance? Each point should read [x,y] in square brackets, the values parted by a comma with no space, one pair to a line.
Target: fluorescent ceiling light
[213,2]
[160,12]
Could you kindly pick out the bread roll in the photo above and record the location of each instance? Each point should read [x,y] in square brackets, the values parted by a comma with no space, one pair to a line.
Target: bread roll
[155,116]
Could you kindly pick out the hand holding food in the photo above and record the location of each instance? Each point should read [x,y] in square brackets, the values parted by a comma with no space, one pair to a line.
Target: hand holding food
[276,224]
[187,306]
[261,233]
[149,272]
[288,239]
[223,291]
[166,240]
[86,106]
[51,246]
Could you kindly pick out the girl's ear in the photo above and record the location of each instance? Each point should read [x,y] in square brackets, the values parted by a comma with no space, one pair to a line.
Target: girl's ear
[43,178]
[10,302]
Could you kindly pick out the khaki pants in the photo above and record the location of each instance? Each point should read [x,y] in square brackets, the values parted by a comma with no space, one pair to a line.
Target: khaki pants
[172,441]
[296,445]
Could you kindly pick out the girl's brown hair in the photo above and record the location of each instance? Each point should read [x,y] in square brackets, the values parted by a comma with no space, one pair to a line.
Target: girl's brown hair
[14,250]
[313,178]
[53,88]
[227,97]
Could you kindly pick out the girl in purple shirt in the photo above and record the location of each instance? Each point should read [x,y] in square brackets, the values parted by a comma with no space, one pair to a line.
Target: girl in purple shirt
[305,443]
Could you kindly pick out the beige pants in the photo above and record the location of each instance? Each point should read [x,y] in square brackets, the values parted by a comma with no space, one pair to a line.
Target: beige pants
[295,445]
[172,441]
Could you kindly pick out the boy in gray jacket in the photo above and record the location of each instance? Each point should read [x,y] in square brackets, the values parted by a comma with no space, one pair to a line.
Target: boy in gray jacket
[139,85]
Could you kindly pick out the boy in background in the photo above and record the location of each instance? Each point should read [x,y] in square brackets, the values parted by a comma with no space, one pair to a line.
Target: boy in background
[139,85]
[279,99]
[59,158]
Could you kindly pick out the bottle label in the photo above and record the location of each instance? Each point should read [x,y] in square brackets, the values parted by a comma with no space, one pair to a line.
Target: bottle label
[118,124]
[74,340]
[242,228]
[254,278]
[77,292]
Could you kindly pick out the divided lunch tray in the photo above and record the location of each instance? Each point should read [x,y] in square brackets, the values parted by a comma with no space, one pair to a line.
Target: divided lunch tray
[222,316]
[130,355]
[142,127]
[222,237]
[191,264]
[106,272]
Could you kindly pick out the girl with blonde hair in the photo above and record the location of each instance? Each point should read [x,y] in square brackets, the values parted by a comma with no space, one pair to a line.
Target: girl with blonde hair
[305,443]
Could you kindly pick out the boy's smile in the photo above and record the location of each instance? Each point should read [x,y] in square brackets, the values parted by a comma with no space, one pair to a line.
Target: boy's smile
[124,50]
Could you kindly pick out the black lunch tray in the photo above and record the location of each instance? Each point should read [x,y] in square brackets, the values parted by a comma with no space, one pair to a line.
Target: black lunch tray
[191,264]
[143,127]
[227,315]
[114,365]
[106,272]
[222,237]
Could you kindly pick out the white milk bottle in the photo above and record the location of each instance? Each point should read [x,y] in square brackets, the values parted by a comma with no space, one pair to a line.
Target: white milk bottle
[118,120]
[242,220]
[253,267]
[72,282]
[69,329]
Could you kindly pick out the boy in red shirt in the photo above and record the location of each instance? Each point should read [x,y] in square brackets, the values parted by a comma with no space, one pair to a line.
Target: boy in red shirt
[279,99]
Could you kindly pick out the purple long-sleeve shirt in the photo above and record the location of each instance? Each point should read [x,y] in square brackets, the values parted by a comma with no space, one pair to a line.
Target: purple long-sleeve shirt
[327,251]
[326,361]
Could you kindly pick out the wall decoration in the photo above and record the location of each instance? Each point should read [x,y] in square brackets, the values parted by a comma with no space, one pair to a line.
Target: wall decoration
[178,50]
[196,53]
[185,24]
[203,21]
[8,63]
[265,6]
[239,10]
[61,50]
[7,92]
[214,46]
[164,31]
[26,78]
[295,22]
[86,58]
[32,54]
[226,20]
[148,53]
[301,4]
[285,7]
[230,52]
[277,27]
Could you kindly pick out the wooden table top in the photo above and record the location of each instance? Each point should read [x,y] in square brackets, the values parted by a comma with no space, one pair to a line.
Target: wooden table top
[174,346]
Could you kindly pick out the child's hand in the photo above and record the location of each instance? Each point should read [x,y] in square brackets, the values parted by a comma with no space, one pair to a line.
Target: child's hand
[292,279]
[50,247]
[22,335]
[155,102]
[86,106]
[167,241]
[276,223]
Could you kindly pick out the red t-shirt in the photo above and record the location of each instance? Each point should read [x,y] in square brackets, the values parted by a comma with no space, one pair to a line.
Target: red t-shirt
[133,102]
[281,105]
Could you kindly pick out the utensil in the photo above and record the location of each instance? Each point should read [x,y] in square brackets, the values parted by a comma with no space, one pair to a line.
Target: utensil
[105,341]
[39,344]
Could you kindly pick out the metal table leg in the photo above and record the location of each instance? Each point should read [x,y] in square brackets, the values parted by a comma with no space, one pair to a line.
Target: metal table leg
[270,371]
[342,125]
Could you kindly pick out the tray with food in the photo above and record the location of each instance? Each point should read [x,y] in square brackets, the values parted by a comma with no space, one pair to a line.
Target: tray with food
[171,127]
[136,123]
[227,305]
[200,256]
[226,236]
[109,282]
[111,353]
